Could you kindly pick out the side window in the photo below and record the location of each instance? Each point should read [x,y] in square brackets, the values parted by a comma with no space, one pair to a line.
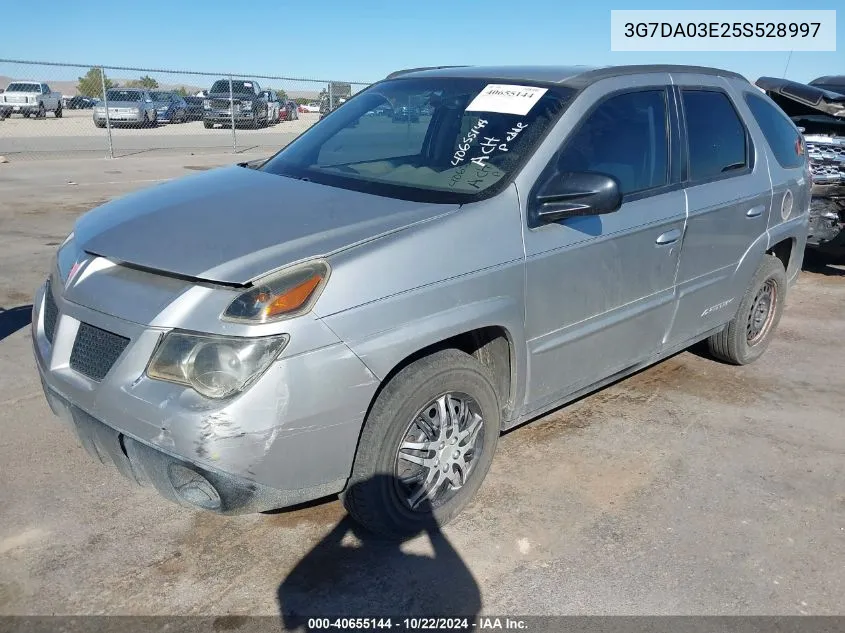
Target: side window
[715,135]
[45,88]
[626,137]
[782,137]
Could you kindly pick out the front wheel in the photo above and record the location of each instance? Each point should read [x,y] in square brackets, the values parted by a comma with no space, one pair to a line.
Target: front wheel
[426,446]
[58,112]
[749,333]
[208,124]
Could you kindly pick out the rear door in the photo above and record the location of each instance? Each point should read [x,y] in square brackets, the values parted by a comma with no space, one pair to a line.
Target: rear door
[787,165]
[728,195]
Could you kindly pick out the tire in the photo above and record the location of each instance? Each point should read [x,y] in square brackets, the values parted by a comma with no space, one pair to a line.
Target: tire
[58,112]
[374,495]
[42,112]
[749,333]
[100,123]
[26,114]
[208,124]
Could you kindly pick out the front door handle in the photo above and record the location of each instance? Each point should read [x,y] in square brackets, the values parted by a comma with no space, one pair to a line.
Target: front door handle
[755,212]
[669,236]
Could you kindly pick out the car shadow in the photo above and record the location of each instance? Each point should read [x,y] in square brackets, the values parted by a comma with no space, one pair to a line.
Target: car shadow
[824,264]
[14,319]
[353,573]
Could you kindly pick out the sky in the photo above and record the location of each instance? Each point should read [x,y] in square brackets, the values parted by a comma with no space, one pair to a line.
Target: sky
[360,40]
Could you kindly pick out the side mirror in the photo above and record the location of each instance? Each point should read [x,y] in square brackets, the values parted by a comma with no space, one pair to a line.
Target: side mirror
[570,194]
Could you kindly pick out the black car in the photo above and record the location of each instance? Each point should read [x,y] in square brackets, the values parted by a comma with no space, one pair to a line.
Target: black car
[194,108]
[79,103]
[250,107]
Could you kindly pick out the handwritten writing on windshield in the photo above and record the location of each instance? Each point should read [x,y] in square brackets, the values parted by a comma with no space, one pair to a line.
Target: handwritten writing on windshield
[492,143]
[463,146]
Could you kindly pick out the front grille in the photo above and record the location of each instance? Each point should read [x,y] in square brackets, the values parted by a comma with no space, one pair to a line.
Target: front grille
[220,103]
[95,351]
[51,313]
[827,159]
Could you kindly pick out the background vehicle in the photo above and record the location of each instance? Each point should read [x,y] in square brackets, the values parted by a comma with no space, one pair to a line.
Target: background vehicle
[194,108]
[77,102]
[170,107]
[289,111]
[310,107]
[404,113]
[274,106]
[818,109]
[250,107]
[126,106]
[30,98]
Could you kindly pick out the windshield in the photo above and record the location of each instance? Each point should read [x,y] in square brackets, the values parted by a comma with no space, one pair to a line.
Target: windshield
[239,87]
[432,139]
[123,95]
[21,87]
[161,96]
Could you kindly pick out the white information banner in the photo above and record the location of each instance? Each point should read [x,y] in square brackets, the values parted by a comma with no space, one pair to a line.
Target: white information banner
[723,30]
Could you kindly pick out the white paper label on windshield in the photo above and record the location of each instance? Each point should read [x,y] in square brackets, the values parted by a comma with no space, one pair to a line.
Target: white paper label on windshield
[506,99]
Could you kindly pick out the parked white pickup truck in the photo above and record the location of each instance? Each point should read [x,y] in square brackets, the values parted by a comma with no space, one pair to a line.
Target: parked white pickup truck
[28,98]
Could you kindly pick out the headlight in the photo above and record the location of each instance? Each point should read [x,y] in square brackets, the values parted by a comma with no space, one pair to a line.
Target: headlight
[246,105]
[67,258]
[289,293]
[214,366]
[206,104]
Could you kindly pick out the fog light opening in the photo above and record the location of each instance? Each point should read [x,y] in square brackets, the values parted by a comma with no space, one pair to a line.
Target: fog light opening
[192,487]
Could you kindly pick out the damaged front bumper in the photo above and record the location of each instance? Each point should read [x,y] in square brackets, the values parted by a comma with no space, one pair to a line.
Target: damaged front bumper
[277,444]
[827,209]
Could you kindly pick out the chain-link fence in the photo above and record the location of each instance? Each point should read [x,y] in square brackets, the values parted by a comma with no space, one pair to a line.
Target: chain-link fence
[55,110]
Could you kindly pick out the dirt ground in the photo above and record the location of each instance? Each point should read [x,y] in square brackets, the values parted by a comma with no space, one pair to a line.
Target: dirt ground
[692,487]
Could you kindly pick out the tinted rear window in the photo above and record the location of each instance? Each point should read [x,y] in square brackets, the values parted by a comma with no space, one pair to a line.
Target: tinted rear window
[780,134]
[715,135]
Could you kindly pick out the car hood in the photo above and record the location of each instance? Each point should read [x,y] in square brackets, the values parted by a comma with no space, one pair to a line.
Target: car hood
[797,99]
[235,224]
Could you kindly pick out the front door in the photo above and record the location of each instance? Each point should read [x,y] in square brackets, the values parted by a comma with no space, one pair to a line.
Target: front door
[599,289]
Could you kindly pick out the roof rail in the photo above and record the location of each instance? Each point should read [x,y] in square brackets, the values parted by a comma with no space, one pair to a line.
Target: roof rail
[405,71]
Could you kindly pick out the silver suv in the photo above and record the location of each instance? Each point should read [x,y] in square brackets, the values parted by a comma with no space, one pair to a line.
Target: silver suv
[366,311]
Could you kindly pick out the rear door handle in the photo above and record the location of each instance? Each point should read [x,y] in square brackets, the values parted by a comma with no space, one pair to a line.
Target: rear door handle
[755,212]
[669,236]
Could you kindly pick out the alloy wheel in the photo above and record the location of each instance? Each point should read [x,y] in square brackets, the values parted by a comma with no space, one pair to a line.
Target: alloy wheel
[439,450]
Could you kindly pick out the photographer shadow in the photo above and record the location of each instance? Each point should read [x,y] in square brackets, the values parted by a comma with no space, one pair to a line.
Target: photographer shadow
[353,573]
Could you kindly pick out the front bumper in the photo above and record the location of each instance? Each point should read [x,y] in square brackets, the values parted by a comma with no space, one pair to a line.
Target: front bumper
[279,443]
[223,116]
[19,108]
[121,117]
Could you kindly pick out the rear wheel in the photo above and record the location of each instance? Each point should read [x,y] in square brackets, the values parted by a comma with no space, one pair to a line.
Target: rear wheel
[749,333]
[426,446]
